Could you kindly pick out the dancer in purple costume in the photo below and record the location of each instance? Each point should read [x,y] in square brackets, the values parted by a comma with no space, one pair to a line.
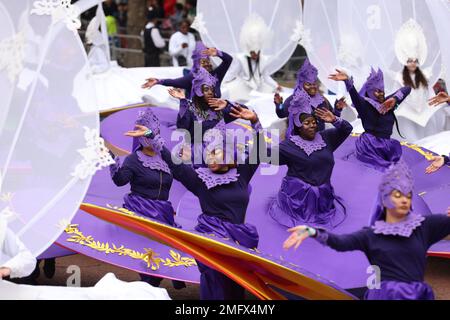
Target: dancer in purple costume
[150,179]
[223,192]
[201,59]
[306,194]
[376,111]
[396,241]
[306,83]
[199,110]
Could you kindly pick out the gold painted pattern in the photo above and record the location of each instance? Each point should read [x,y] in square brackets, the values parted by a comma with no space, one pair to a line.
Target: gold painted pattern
[150,257]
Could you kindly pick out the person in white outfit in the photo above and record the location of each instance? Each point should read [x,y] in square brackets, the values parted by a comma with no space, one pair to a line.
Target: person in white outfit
[181,46]
[249,72]
[16,261]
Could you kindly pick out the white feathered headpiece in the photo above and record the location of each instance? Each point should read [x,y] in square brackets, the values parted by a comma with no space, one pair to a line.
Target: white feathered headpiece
[93,34]
[410,42]
[6,215]
[255,34]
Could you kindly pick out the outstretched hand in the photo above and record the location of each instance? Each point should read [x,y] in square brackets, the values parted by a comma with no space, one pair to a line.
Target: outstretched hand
[341,104]
[338,76]
[277,99]
[217,104]
[138,132]
[150,82]
[436,163]
[177,93]
[441,97]
[5,272]
[239,112]
[212,52]
[298,234]
[388,105]
[325,115]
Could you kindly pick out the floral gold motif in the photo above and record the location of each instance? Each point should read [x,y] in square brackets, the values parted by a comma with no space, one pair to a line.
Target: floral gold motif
[150,257]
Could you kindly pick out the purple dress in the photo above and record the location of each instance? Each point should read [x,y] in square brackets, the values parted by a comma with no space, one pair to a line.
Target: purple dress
[150,180]
[223,200]
[186,81]
[399,250]
[282,109]
[375,145]
[306,194]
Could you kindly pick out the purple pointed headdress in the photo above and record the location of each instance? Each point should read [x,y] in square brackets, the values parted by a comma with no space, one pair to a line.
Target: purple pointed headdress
[397,177]
[307,73]
[374,81]
[148,119]
[202,77]
[299,105]
[197,55]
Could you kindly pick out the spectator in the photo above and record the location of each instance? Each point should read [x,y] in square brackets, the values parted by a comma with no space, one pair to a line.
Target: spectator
[153,42]
[110,8]
[178,16]
[181,46]
[190,9]
[122,16]
[154,8]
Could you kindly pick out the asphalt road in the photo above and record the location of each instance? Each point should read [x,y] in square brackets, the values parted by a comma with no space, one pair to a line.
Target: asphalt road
[437,275]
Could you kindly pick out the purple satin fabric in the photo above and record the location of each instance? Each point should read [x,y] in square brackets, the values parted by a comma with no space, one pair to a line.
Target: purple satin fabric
[246,234]
[299,202]
[378,152]
[213,284]
[160,210]
[394,290]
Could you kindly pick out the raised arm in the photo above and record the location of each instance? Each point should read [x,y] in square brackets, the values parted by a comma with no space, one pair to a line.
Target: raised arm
[347,242]
[222,69]
[400,95]
[337,135]
[282,108]
[181,83]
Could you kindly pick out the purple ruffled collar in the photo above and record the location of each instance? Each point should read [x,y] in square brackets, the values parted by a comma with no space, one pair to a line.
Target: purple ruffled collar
[205,115]
[309,146]
[403,228]
[212,179]
[315,101]
[153,162]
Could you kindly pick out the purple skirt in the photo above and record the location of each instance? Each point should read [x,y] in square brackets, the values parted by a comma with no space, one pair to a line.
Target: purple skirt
[378,152]
[395,290]
[299,203]
[160,210]
[245,234]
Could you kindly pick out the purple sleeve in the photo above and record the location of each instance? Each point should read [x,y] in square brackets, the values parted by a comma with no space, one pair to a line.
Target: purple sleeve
[346,242]
[282,109]
[336,111]
[337,135]
[253,160]
[446,160]
[400,94]
[436,227]
[222,69]
[182,83]
[182,172]
[121,175]
[357,100]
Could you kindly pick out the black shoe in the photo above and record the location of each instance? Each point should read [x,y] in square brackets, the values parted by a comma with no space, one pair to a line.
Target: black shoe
[49,267]
[178,285]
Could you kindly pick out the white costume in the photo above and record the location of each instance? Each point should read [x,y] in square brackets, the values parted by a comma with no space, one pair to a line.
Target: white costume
[249,75]
[416,118]
[176,49]
[15,256]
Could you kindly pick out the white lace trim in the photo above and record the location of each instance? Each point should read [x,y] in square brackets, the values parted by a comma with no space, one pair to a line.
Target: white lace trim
[95,155]
[60,10]
[12,54]
[302,36]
